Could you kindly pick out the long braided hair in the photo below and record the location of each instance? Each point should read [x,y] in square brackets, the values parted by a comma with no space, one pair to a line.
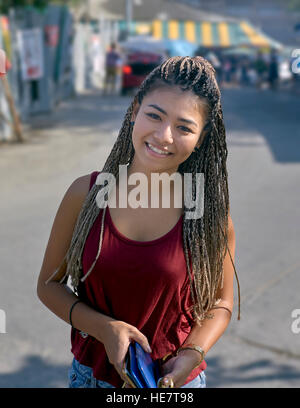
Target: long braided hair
[205,239]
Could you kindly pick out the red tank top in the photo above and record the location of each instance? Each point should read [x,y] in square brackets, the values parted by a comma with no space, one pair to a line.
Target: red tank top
[145,284]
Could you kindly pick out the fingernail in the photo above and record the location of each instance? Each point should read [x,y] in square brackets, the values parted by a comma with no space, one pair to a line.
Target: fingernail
[149,349]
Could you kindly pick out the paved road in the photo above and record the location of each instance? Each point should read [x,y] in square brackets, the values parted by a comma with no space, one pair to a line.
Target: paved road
[263,137]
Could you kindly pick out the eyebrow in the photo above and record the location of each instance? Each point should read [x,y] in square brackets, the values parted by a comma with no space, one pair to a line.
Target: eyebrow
[165,113]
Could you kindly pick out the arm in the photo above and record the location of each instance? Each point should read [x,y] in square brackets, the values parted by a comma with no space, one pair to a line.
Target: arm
[212,328]
[55,296]
[114,334]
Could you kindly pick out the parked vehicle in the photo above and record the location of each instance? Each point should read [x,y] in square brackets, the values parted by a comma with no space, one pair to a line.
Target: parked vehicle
[137,65]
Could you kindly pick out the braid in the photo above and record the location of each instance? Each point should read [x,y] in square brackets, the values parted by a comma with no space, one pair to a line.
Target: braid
[205,240]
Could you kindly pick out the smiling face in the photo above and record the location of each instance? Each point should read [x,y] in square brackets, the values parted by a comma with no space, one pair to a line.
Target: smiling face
[167,128]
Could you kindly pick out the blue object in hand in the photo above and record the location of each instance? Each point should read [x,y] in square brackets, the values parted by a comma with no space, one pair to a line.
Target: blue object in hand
[142,371]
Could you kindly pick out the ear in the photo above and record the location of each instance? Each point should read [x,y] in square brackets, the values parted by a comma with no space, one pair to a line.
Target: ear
[135,110]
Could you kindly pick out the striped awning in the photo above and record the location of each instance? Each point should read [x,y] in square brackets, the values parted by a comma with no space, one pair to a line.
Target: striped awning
[205,33]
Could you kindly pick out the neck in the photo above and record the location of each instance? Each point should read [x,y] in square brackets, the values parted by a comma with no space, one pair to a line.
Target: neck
[157,193]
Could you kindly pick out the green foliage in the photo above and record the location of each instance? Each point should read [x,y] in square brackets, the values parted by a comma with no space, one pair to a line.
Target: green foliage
[5,5]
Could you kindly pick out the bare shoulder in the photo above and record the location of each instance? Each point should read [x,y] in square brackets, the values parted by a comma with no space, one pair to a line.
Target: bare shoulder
[80,186]
[78,191]
[63,227]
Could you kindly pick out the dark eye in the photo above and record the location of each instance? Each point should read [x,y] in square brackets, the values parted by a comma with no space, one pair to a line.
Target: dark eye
[153,115]
[185,129]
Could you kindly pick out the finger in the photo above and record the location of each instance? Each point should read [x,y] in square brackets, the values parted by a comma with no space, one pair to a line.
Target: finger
[143,341]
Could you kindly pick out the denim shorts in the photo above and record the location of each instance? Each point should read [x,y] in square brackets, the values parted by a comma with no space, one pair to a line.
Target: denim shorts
[81,376]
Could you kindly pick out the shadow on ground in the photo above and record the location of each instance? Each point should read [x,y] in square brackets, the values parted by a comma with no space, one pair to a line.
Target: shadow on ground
[36,373]
[273,115]
[254,374]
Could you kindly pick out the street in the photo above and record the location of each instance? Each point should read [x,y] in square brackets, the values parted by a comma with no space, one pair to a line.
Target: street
[263,140]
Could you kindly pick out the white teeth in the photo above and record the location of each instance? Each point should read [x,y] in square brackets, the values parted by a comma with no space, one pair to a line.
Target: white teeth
[156,150]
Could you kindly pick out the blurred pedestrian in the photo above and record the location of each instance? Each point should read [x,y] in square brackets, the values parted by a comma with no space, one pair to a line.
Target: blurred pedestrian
[227,70]
[234,71]
[113,65]
[261,69]
[252,75]
[244,72]
[273,71]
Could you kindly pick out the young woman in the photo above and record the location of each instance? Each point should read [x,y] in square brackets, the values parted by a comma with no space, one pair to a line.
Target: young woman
[151,275]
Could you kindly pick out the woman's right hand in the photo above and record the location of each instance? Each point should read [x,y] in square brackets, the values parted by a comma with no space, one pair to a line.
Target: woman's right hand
[116,338]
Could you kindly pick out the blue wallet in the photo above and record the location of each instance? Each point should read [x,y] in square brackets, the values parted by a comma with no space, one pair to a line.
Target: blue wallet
[139,368]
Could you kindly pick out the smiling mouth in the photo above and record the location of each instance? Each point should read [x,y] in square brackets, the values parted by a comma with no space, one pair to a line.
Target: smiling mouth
[158,151]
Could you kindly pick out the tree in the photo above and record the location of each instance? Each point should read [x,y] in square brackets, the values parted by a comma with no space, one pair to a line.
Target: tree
[294,5]
[5,5]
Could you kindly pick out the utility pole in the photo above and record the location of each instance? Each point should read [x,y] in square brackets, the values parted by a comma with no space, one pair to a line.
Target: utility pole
[129,7]
[255,14]
[16,122]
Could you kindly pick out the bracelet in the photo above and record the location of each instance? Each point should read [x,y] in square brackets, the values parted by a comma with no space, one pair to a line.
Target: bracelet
[167,357]
[222,307]
[191,346]
[70,315]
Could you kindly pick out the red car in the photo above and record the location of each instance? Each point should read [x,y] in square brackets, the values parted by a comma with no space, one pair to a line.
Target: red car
[136,67]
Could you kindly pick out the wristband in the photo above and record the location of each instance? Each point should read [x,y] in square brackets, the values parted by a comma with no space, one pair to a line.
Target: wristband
[70,315]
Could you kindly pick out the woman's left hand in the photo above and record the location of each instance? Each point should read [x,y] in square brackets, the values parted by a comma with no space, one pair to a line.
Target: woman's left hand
[178,368]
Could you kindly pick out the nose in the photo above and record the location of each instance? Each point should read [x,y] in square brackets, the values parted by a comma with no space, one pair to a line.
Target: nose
[163,135]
